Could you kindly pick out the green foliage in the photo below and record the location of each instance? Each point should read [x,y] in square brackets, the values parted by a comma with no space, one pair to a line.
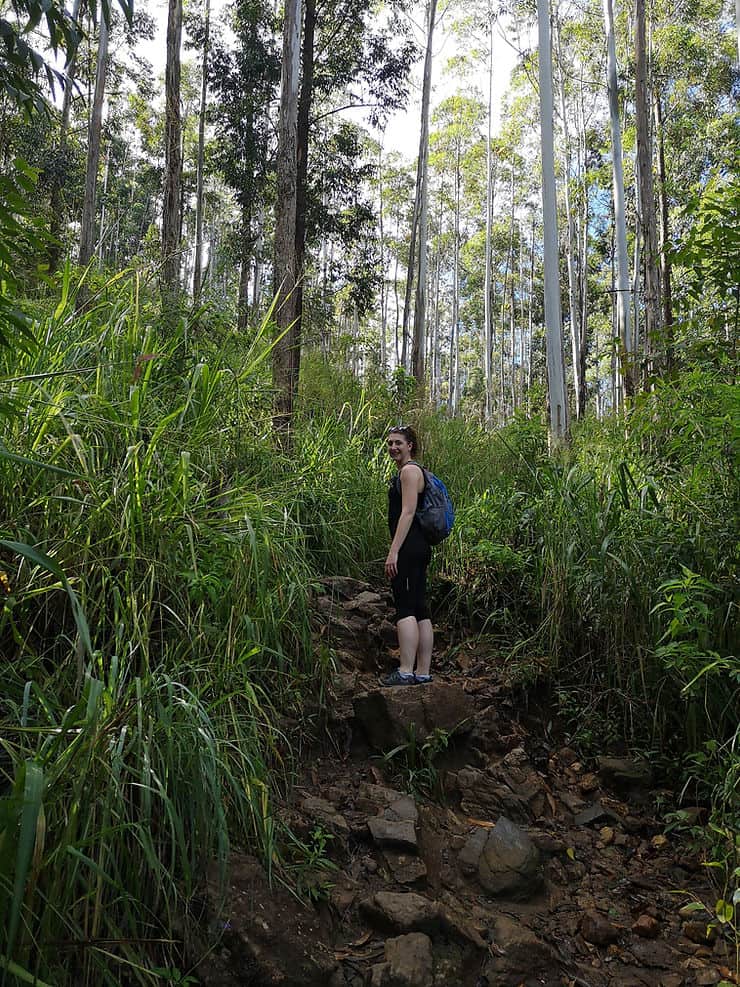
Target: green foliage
[710,258]
[414,761]
[20,237]
[156,616]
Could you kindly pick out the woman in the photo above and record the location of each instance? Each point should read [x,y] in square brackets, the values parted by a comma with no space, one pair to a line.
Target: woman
[407,561]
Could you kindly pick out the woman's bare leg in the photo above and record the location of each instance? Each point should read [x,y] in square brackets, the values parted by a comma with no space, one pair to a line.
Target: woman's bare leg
[424,650]
[408,643]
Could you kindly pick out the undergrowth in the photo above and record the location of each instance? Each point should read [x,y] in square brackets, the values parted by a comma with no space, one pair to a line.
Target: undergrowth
[158,555]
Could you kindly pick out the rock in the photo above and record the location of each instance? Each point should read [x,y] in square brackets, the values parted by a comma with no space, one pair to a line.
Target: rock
[269,936]
[405,869]
[592,813]
[364,601]
[380,973]
[386,715]
[404,911]
[398,833]
[686,911]
[508,862]
[700,932]
[410,961]
[470,854]
[606,835]
[547,843]
[708,977]
[518,953]
[324,812]
[597,930]
[588,783]
[646,926]
[485,797]
[625,774]
[403,808]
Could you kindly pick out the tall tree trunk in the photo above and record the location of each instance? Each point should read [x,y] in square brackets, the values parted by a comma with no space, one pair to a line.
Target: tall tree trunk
[383,283]
[87,231]
[623,300]
[651,266]
[197,273]
[245,265]
[420,215]
[665,260]
[487,314]
[56,199]
[558,401]
[573,306]
[171,210]
[286,262]
[303,127]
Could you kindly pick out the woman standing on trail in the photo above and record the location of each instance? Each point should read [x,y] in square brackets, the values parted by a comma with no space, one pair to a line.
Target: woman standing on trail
[407,561]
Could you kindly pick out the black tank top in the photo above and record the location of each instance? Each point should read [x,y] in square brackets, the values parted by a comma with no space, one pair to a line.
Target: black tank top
[395,503]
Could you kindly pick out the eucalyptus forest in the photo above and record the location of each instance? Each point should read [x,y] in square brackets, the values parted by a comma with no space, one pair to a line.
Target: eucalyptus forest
[240,240]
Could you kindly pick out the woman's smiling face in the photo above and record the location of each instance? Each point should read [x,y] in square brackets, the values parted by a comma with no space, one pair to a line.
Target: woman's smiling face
[399,448]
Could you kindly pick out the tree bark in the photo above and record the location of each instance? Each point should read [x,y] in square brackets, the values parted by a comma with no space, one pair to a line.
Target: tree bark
[665,261]
[197,272]
[87,231]
[623,301]
[553,317]
[172,164]
[651,266]
[285,266]
[420,211]
[487,314]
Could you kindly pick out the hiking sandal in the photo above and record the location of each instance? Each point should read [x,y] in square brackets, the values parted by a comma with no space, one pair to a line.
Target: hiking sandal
[397,677]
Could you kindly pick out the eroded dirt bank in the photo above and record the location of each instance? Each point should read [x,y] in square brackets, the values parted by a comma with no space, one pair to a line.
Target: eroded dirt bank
[481,853]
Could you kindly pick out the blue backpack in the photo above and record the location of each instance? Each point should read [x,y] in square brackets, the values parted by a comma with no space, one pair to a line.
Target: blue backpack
[435,514]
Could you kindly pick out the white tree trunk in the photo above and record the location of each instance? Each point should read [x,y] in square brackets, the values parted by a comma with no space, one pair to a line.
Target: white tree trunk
[623,302]
[487,314]
[87,231]
[422,188]
[285,271]
[197,273]
[553,316]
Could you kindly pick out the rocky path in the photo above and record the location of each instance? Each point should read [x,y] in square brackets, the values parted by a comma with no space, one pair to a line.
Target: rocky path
[467,847]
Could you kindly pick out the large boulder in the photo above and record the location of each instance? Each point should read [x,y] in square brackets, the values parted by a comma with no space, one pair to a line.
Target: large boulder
[386,716]
[504,859]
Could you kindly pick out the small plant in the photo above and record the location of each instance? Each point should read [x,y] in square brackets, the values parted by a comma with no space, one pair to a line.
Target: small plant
[415,761]
[308,865]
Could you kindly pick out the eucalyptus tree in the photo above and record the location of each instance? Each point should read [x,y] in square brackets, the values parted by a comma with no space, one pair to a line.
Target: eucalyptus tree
[457,121]
[623,303]
[87,227]
[397,183]
[346,60]
[243,77]
[170,276]
[285,270]
[417,243]
[553,317]
[647,218]
[198,262]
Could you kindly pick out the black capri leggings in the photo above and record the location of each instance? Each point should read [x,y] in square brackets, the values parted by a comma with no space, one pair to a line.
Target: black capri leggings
[409,586]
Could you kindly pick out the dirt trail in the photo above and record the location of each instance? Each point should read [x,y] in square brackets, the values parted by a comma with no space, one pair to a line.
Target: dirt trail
[480,853]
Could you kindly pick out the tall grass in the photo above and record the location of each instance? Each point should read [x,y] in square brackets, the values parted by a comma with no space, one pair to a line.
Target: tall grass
[155,626]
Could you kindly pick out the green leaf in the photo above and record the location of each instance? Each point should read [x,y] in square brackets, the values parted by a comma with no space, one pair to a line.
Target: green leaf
[39,558]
